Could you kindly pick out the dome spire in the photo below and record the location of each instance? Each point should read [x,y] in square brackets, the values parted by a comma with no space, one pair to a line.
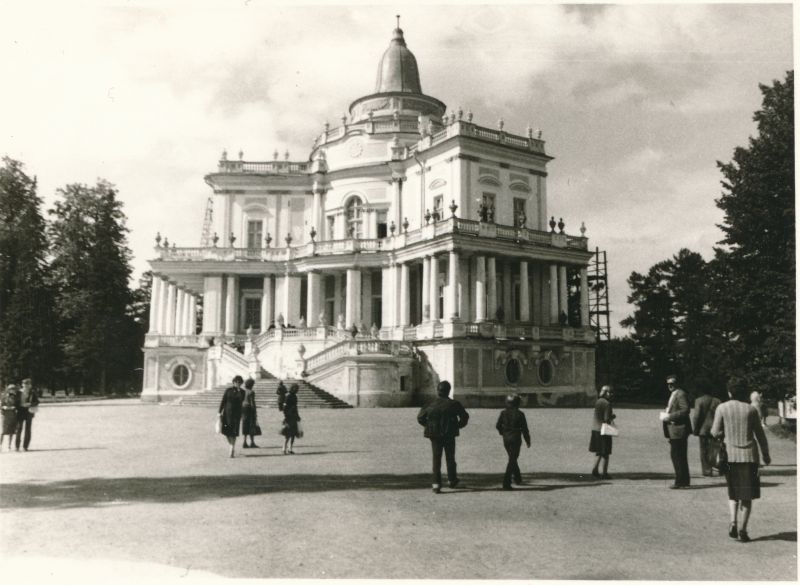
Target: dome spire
[397,71]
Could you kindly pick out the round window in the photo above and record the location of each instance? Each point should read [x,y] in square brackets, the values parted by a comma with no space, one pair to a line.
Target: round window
[513,371]
[180,376]
[546,371]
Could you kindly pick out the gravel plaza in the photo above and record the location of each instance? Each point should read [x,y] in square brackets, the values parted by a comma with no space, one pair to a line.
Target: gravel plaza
[127,489]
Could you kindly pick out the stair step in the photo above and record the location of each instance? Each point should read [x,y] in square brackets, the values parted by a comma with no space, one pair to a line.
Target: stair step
[308,395]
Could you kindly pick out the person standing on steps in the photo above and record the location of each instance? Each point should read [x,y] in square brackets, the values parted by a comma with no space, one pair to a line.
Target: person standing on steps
[513,427]
[230,411]
[249,415]
[281,393]
[291,420]
[600,444]
[442,419]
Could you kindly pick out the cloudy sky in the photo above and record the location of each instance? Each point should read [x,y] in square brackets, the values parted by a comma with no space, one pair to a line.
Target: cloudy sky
[636,102]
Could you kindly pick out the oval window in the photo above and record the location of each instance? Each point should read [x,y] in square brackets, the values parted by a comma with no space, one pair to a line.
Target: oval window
[546,371]
[180,375]
[513,371]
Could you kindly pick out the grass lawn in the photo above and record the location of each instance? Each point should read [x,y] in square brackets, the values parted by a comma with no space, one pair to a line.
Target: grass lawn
[131,489]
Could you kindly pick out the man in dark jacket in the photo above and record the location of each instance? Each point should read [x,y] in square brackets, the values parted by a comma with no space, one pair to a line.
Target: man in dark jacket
[513,426]
[677,427]
[442,419]
[702,419]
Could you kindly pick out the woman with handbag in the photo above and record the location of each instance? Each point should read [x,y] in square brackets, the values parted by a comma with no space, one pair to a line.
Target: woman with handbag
[291,420]
[249,416]
[740,425]
[230,411]
[600,444]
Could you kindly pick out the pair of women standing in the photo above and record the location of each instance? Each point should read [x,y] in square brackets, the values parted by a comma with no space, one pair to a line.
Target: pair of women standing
[239,403]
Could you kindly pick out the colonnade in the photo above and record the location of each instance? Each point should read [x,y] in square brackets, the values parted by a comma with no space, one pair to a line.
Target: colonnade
[461,292]
[173,308]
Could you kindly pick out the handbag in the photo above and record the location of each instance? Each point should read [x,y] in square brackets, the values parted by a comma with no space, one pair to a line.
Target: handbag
[299,430]
[722,459]
[218,426]
[257,430]
[609,430]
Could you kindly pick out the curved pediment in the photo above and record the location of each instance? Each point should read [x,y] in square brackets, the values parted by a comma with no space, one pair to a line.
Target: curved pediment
[437,183]
[488,180]
[520,186]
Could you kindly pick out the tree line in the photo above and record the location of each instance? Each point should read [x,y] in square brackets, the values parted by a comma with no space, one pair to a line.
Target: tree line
[733,315]
[68,316]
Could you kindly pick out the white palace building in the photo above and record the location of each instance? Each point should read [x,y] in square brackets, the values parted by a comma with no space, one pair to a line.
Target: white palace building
[412,246]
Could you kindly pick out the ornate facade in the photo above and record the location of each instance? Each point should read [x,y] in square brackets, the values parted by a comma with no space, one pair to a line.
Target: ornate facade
[411,246]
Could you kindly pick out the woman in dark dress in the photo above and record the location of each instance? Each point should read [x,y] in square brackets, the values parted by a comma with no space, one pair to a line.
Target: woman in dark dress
[230,411]
[9,405]
[291,418]
[599,444]
[249,418]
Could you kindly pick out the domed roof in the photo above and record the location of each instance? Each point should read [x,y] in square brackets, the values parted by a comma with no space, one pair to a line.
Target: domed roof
[397,70]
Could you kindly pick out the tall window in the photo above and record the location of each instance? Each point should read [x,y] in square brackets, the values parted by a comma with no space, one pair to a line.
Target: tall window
[382,223]
[520,217]
[255,229]
[438,207]
[252,313]
[331,227]
[354,218]
[488,201]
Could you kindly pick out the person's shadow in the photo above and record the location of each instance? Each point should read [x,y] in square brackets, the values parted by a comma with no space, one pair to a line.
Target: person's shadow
[784,536]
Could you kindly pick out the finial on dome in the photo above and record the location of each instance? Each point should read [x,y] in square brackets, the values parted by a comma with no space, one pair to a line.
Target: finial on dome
[398,20]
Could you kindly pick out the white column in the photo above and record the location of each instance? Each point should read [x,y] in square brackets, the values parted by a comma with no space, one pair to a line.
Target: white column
[212,304]
[524,295]
[480,289]
[230,306]
[388,304]
[171,309]
[584,298]
[266,303]
[562,289]
[553,294]
[426,289]
[464,312]
[491,281]
[434,276]
[316,212]
[405,296]
[286,301]
[507,308]
[313,299]
[163,320]
[353,298]
[453,282]
[180,311]
[155,301]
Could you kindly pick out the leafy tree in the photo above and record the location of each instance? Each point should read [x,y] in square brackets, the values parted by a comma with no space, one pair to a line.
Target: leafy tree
[91,266]
[619,363]
[28,346]
[755,266]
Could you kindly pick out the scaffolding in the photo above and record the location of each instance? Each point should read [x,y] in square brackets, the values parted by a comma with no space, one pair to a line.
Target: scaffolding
[599,313]
[205,238]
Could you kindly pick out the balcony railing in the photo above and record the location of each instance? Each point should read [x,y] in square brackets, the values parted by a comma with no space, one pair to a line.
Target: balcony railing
[348,246]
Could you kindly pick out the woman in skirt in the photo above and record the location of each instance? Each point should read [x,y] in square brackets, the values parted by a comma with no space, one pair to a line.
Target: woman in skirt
[291,420]
[10,404]
[599,444]
[249,414]
[230,411]
[740,424]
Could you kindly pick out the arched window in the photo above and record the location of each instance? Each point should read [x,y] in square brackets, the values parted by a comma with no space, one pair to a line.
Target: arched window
[354,218]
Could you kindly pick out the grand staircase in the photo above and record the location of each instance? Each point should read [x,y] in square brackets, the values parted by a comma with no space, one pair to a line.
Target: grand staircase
[308,395]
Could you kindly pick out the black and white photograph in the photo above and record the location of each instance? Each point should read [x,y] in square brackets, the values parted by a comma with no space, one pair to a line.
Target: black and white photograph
[486,292]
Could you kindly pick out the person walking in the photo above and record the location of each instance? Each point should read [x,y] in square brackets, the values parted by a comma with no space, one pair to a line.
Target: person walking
[291,420]
[677,427]
[442,419]
[28,404]
[8,406]
[757,402]
[230,411]
[739,423]
[249,414]
[600,444]
[513,427]
[702,418]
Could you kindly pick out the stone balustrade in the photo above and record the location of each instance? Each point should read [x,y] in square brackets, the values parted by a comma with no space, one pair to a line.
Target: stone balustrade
[447,226]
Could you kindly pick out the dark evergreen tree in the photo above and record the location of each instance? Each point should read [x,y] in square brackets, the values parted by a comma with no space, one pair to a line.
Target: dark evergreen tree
[755,267]
[28,338]
[91,266]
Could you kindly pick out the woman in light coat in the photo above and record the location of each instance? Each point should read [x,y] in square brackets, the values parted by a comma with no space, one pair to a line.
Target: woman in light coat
[740,425]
